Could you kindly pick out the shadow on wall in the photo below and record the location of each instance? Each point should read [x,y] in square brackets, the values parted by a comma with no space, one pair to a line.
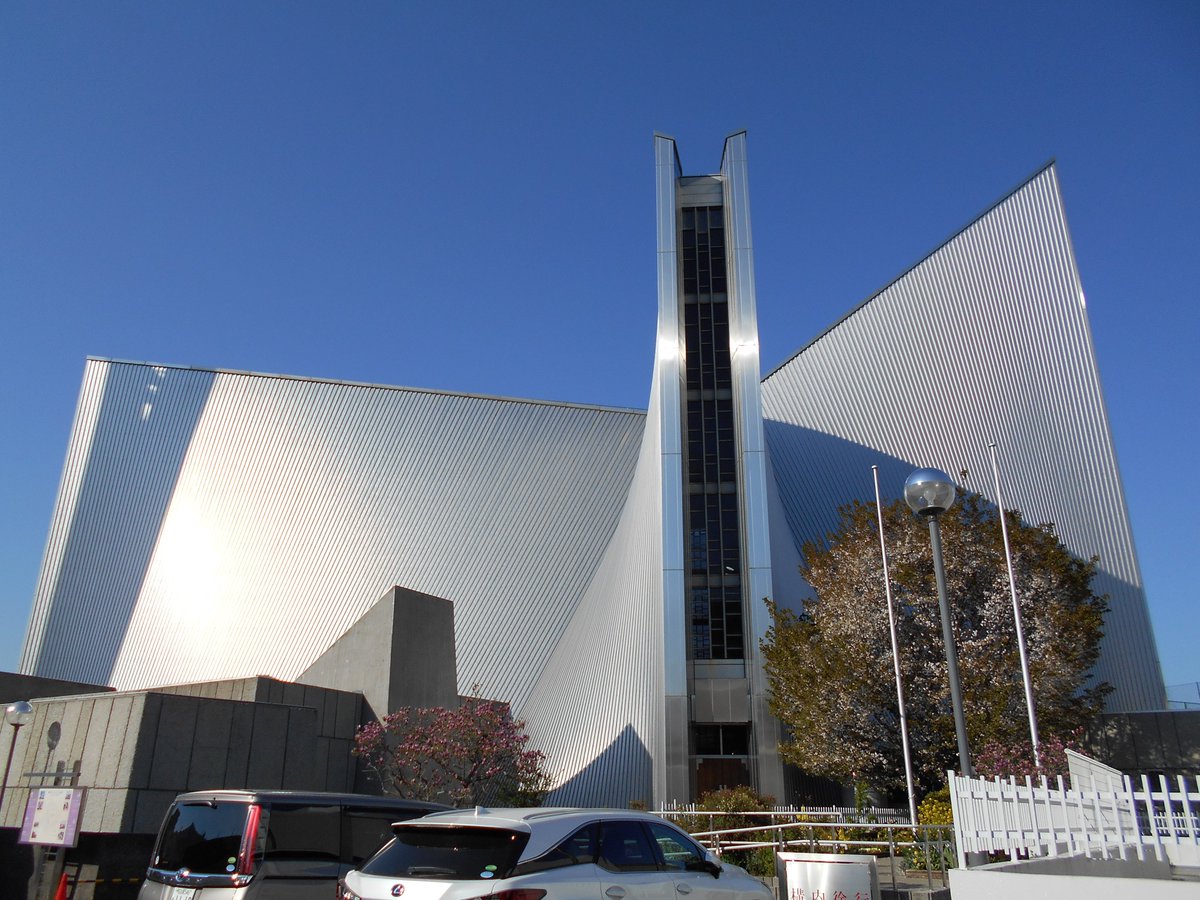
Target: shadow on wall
[810,471]
[143,428]
[625,762]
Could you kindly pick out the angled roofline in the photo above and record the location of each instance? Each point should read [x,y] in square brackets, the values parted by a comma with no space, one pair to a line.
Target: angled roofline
[725,146]
[1049,165]
[674,149]
[367,384]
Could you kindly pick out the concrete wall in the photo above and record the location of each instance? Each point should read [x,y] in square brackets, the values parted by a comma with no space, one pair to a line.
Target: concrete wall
[1073,878]
[339,713]
[136,750]
[29,687]
[401,652]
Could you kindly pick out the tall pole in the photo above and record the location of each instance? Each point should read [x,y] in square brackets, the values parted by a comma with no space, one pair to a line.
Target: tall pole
[887,586]
[1012,588]
[956,703]
[15,714]
[8,765]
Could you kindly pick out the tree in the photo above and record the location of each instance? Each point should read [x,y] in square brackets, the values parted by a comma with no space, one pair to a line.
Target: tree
[830,665]
[472,755]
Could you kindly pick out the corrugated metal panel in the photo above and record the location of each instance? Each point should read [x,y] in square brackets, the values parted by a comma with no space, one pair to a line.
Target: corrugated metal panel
[278,510]
[987,339]
[597,709]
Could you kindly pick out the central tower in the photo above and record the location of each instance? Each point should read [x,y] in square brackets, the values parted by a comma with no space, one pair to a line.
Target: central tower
[716,550]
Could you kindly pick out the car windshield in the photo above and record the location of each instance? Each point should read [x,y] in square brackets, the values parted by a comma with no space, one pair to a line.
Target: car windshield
[203,837]
[448,853]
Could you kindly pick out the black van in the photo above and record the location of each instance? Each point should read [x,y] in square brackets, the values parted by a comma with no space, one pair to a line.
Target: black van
[268,845]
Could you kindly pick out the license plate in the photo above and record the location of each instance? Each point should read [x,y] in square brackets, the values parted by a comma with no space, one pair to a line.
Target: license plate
[182,893]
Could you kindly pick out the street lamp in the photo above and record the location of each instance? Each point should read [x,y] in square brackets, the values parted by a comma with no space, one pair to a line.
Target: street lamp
[17,715]
[929,493]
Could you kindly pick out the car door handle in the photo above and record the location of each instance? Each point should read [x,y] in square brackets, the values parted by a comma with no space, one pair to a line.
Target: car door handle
[616,892]
[682,888]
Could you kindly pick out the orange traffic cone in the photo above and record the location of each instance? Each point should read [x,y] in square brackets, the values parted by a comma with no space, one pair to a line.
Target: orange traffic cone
[61,893]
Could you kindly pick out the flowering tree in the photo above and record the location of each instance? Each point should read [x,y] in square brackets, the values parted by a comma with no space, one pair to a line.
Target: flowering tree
[996,758]
[468,756]
[830,666]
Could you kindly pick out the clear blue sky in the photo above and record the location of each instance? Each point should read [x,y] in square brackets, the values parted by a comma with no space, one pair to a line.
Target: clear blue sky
[460,196]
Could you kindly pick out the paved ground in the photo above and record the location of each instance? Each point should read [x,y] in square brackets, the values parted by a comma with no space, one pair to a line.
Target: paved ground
[910,885]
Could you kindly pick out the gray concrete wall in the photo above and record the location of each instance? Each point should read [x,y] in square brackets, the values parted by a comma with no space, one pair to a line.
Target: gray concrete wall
[136,751]
[1070,879]
[31,687]
[400,653]
[339,714]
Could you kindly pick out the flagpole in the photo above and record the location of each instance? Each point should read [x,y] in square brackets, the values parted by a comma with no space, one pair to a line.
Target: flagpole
[1012,587]
[887,586]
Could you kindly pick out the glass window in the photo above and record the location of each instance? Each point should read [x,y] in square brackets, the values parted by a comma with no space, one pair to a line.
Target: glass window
[448,852]
[676,850]
[624,847]
[708,740]
[202,837]
[309,832]
[368,831]
[576,850]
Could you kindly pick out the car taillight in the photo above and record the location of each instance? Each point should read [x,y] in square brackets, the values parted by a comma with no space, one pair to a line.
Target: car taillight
[245,863]
[344,893]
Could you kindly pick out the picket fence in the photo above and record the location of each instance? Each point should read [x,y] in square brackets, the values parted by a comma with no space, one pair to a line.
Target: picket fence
[1113,821]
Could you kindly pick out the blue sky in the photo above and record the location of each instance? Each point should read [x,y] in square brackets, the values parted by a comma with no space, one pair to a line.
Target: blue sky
[460,196]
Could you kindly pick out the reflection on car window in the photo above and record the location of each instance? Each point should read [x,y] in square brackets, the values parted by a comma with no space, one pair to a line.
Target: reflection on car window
[441,852]
[368,832]
[677,851]
[303,832]
[624,847]
[201,836]
[578,849]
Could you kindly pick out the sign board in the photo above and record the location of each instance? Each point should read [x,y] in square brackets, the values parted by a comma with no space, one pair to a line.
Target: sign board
[52,817]
[827,876]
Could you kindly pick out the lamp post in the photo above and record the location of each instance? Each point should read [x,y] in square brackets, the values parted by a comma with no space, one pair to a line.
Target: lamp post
[17,715]
[929,493]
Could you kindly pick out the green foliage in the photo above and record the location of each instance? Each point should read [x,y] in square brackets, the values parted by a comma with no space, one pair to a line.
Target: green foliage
[731,801]
[933,852]
[830,666]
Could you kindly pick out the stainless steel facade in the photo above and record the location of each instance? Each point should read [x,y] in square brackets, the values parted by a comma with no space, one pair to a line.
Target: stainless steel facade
[985,340]
[218,524]
[215,524]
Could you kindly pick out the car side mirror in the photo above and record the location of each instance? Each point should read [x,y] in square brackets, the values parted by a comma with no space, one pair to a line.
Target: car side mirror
[708,864]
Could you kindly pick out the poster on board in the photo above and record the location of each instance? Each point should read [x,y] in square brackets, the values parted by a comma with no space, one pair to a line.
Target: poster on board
[52,817]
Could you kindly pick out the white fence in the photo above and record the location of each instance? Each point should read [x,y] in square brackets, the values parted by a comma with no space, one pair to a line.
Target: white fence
[1041,820]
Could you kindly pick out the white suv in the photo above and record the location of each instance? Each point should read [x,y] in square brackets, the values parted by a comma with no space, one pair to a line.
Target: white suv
[529,854]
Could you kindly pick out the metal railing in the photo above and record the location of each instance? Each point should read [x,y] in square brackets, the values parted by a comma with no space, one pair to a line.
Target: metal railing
[929,849]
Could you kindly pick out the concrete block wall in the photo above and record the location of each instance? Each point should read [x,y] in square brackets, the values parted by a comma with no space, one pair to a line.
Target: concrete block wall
[339,713]
[137,750]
